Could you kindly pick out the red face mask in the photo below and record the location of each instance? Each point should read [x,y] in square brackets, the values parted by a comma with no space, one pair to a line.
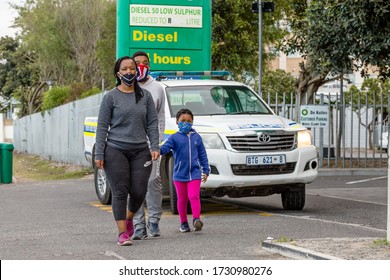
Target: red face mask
[142,72]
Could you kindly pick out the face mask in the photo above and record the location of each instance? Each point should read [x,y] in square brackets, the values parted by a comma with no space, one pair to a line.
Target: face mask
[142,72]
[184,127]
[128,79]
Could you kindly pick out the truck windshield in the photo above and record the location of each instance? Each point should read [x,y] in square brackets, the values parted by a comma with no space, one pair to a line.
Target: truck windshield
[215,100]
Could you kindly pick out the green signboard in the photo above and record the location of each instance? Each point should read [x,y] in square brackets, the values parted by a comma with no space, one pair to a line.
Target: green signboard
[175,33]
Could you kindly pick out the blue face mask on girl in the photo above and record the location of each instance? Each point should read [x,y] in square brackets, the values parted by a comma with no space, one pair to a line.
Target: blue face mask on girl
[184,127]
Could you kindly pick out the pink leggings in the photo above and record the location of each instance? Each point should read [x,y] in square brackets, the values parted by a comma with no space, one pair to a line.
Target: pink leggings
[188,191]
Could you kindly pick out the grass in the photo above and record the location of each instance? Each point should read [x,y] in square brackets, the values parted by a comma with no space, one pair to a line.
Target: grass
[284,239]
[34,168]
[381,242]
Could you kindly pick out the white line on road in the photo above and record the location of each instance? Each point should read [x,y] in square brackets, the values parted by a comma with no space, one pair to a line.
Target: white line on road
[349,199]
[113,254]
[366,180]
[331,222]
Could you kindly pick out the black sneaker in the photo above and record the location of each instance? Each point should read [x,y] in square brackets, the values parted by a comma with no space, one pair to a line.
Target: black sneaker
[198,224]
[184,227]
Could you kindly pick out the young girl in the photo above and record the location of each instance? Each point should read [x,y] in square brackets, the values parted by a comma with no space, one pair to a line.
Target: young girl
[190,168]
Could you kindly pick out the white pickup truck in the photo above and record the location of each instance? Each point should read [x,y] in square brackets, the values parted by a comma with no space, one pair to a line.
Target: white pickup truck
[251,150]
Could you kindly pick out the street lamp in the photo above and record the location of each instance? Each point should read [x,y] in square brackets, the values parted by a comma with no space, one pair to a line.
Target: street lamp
[49,82]
[265,7]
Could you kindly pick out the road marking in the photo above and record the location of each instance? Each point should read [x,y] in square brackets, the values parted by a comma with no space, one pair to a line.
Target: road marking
[332,222]
[365,180]
[208,209]
[265,214]
[113,254]
[349,199]
[97,204]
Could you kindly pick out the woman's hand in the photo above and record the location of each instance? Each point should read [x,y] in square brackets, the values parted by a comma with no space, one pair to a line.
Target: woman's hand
[204,177]
[155,155]
[99,163]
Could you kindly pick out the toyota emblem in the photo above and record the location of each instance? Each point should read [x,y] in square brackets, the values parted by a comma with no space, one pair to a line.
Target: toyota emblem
[264,138]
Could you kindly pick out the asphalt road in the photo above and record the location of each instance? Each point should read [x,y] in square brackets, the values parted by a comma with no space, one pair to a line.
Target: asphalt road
[63,220]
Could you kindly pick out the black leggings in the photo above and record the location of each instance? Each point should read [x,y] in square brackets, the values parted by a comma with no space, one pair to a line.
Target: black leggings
[128,172]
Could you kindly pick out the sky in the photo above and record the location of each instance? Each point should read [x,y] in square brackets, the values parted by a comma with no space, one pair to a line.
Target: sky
[6,17]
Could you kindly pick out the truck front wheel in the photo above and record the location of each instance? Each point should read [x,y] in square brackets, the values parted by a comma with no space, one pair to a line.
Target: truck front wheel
[102,186]
[294,199]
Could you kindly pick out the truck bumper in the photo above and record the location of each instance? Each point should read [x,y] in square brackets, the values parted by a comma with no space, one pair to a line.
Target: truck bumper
[229,169]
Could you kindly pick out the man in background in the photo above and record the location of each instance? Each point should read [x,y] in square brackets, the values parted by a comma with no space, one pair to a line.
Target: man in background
[154,195]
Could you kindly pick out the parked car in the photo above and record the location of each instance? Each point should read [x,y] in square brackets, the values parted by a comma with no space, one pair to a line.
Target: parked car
[251,150]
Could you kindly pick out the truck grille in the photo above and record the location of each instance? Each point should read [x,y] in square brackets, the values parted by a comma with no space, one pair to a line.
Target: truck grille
[272,142]
[275,169]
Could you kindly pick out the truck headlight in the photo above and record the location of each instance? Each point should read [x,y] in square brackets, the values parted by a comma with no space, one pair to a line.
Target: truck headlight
[304,138]
[212,141]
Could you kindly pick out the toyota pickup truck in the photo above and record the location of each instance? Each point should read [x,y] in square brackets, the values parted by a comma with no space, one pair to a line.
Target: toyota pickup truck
[251,150]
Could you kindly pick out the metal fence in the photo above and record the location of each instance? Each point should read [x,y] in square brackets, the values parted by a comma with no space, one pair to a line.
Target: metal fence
[58,133]
[352,141]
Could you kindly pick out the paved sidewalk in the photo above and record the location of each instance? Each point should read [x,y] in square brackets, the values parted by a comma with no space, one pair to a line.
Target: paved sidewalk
[353,171]
[331,248]
[335,248]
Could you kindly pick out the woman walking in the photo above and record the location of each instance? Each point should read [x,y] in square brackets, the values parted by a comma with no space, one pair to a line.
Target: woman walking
[127,119]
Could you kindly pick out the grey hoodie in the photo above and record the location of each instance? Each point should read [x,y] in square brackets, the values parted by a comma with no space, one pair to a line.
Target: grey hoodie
[122,120]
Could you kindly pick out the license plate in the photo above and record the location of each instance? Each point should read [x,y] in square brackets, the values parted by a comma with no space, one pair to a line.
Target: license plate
[265,160]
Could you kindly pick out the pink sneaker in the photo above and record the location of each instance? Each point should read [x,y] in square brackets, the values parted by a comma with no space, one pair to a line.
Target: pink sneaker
[124,239]
[130,227]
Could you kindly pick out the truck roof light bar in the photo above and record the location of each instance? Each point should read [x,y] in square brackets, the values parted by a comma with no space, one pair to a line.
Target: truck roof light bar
[188,75]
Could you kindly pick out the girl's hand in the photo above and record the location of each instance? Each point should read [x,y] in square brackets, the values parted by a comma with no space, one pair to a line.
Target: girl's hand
[99,163]
[204,178]
[155,155]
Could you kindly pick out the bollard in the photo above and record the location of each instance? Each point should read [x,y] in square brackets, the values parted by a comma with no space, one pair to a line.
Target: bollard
[6,150]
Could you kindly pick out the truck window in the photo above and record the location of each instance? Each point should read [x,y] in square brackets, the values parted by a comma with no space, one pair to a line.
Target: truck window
[215,100]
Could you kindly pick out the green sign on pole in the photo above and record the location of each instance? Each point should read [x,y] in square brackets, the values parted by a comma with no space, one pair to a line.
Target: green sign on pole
[175,33]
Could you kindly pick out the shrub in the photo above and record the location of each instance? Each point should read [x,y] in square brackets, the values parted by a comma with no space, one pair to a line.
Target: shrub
[90,92]
[54,97]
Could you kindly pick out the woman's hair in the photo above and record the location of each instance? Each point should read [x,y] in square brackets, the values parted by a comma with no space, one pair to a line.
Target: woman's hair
[137,89]
[182,112]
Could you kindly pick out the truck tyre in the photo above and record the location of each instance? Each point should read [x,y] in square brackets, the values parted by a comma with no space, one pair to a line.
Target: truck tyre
[294,200]
[172,189]
[102,186]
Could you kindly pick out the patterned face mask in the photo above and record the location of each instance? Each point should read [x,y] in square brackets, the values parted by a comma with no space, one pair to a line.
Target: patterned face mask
[128,79]
[184,127]
[142,72]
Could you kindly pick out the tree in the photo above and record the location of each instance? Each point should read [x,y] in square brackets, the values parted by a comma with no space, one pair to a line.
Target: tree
[235,33]
[106,47]
[373,91]
[8,47]
[338,36]
[42,33]
[64,36]
[82,26]
[19,77]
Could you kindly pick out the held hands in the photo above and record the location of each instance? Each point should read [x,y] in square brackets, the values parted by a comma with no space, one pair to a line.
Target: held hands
[99,163]
[155,155]
[204,178]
